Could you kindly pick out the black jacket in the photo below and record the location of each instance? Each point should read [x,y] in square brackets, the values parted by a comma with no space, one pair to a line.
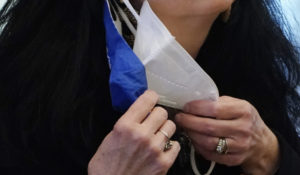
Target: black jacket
[50,159]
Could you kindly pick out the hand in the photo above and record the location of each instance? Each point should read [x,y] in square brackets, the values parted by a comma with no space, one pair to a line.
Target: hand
[135,146]
[250,142]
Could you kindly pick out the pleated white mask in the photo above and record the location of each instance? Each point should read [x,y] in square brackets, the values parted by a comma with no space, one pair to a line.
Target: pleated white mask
[170,70]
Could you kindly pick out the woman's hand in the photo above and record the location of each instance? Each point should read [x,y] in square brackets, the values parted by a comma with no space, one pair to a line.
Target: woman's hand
[135,146]
[250,142]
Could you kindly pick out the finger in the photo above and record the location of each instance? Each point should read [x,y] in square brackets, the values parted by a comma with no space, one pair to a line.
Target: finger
[200,107]
[209,143]
[225,159]
[155,120]
[141,107]
[168,128]
[169,157]
[206,126]
[226,108]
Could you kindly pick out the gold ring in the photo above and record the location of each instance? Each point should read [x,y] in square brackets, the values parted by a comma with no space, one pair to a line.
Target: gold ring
[222,147]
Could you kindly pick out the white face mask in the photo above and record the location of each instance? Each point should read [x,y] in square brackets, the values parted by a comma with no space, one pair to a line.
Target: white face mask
[170,70]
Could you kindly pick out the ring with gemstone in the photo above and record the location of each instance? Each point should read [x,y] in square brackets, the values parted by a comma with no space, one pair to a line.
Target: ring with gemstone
[222,147]
[168,145]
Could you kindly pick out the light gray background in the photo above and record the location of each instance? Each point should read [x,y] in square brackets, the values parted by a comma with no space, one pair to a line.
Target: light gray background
[2,2]
[292,11]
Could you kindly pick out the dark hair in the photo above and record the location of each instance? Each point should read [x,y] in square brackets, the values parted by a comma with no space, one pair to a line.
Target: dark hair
[54,73]
[54,78]
[250,57]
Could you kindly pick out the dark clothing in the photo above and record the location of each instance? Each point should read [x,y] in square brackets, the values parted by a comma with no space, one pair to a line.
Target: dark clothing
[68,147]
[50,158]
[290,159]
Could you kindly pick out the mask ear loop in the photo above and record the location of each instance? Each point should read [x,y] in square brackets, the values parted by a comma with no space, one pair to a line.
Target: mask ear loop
[132,10]
[194,166]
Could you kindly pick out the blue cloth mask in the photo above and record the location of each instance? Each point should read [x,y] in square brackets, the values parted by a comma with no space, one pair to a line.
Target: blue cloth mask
[127,77]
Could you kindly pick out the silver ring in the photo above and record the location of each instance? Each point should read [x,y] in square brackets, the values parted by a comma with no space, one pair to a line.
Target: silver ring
[222,147]
[169,143]
[165,134]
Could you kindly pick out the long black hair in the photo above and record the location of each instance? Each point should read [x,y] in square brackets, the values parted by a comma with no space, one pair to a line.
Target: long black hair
[54,80]
[251,58]
[54,92]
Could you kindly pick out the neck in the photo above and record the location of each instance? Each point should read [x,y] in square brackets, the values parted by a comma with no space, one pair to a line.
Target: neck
[190,32]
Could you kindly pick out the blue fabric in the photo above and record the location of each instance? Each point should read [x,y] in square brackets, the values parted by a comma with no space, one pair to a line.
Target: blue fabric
[127,78]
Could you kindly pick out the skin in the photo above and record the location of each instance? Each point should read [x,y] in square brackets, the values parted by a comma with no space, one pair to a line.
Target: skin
[135,145]
[251,143]
[189,20]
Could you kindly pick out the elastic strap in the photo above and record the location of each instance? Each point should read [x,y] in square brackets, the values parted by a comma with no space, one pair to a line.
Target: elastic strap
[194,166]
[132,10]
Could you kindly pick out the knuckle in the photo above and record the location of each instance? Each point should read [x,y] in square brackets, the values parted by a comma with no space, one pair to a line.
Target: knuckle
[172,125]
[151,93]
[247,108]
[141,138]
[245,145]
[216,109]
[119,127]
[154,150]
[209,129]
[246,130]
[150,96]
[162,111]
[131,133]
[122,127]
